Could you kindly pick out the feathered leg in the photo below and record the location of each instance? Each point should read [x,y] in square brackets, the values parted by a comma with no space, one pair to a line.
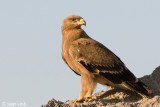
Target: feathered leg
[88,84]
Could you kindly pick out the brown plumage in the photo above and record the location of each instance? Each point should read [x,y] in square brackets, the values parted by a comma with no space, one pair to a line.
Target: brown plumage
[94,62]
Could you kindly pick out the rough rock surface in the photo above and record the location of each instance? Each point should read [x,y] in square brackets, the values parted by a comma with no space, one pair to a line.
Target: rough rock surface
[114,97]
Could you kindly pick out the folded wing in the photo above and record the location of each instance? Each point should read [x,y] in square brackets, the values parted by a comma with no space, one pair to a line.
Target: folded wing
[98,59]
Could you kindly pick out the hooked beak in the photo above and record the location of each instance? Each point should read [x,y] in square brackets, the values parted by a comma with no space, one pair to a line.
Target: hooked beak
[82,22]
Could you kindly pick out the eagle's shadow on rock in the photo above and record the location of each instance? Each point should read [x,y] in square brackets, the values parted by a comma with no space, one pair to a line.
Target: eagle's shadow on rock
[117,96]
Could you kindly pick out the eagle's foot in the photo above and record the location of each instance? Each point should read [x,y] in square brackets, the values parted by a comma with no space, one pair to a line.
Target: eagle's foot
[83,99]
[79,100]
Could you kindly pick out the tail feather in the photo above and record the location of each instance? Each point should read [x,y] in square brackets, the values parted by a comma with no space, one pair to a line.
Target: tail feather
[140,88]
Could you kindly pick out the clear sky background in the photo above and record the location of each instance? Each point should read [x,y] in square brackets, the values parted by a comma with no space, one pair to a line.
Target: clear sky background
[31,68]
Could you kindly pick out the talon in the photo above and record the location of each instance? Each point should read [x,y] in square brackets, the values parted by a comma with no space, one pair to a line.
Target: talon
[76,100]
[79,100]
[94,97]
[83,99]
[73,101]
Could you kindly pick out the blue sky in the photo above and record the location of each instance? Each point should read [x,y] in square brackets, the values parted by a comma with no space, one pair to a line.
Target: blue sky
[31,68]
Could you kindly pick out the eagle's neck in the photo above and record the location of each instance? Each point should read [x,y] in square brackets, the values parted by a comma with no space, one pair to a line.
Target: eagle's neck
[70,35]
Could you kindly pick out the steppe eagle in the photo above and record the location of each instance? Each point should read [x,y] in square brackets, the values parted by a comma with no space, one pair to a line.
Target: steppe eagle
[94,62]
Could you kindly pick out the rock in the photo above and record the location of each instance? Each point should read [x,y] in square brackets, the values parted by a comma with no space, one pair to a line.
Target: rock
[114,97]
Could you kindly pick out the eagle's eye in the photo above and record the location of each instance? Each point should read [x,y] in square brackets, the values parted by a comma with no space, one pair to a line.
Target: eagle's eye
[73,19]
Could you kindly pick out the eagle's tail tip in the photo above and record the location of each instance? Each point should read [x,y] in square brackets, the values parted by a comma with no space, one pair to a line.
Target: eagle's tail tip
[140,88]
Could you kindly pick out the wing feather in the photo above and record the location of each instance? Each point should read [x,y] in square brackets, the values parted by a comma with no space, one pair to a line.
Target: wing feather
[98,59]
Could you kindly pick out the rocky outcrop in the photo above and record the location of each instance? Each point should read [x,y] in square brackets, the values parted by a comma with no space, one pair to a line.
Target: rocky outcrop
[114,97]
